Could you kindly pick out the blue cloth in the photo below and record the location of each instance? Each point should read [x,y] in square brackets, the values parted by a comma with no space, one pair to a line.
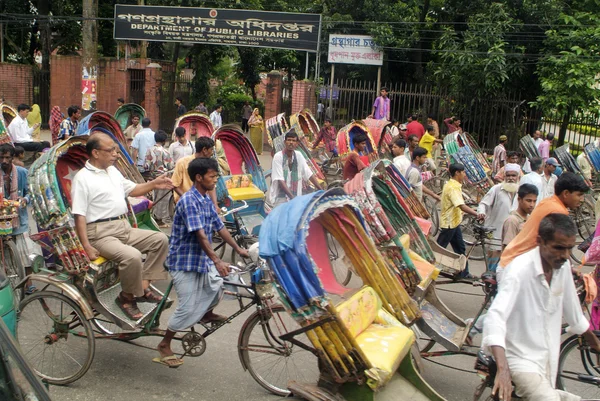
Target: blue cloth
[278,231]
[143,141]
[67,127]
[23,192]
[193,212]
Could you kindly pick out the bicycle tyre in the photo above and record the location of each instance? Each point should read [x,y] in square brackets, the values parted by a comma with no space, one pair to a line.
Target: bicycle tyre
[584,217]
[15,271]
[469,238]
[431,207]
[28,329]
[218,241]
[580,359]
[262,320]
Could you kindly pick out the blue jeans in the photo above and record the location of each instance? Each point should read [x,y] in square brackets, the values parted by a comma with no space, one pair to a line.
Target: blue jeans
[454,237]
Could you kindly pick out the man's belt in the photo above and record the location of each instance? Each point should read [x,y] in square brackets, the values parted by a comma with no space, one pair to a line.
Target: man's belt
[121,217]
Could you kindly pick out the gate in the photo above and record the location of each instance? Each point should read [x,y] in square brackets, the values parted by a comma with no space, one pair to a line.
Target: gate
[137,86]
[41,94]
[173,86]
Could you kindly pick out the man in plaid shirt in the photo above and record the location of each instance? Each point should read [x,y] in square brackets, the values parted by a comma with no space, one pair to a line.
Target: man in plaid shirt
[195,268]
[157,162]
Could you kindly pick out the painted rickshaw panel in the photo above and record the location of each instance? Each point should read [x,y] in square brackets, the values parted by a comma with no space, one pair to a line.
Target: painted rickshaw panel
[196,125]
[125,113]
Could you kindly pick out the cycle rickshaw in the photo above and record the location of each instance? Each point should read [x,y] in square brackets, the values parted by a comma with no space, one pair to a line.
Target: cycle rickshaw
[196,125]
[363,343]
[277,127]
[126,112]
[59,325]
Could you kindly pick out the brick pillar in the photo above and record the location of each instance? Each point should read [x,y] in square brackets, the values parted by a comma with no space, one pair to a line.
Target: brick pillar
[304,97]
[273,98]
[152,94]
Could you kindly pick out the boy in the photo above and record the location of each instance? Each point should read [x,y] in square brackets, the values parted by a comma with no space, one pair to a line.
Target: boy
[194,266]
[158,161]
[400,160]
[19,159]
[453,207]
[355,161]
[413,174]
[427,141]
[526,201]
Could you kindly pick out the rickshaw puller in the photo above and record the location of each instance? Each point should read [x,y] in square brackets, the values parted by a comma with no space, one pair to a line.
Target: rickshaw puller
[193,264]
[100,210]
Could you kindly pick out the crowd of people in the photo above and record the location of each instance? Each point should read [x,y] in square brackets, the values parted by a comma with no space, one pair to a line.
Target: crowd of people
[527,208]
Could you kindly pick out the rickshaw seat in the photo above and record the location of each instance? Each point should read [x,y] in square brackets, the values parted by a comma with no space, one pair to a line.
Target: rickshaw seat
[382,338]
[240,187]
[139,204]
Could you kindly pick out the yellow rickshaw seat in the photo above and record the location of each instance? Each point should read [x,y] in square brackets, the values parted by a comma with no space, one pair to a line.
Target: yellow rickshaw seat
[382,338]
[98,261]
[248,193]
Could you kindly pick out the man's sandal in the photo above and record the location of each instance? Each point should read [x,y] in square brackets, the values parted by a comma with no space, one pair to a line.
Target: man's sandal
[171,361]
[212,317]
[129,308]
[149,296]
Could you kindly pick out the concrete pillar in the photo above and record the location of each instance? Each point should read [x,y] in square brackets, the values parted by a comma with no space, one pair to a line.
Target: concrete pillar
[152,93]
[304,96]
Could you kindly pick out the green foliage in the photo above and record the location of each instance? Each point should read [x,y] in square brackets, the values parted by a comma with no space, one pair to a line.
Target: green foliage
[232,98]
[477,62]
[569,70]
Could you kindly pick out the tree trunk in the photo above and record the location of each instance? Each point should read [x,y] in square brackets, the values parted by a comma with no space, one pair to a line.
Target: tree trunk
[418,54]
[563,127]
[89,65]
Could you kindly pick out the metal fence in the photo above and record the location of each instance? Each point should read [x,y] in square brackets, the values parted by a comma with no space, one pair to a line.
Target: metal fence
[485,119]
[41,94]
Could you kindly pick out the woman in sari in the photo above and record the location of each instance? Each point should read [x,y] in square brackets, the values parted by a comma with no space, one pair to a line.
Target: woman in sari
[257,126]
[56,118]
[35,117]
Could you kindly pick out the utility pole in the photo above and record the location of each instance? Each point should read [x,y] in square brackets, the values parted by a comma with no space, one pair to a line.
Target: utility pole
[143,43]
[89,70]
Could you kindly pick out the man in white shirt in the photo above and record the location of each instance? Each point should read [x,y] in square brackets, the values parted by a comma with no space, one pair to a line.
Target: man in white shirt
[99,194]
[143,141]
[549,178]
[535,177]
[496,205]
[181,147]
[20,132]
[289,171]
[523,326]
[537,139]
[400,160]
[215,117]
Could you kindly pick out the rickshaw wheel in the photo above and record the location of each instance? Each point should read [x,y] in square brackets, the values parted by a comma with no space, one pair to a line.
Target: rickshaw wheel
[55,337]
[14,269]
[271,361]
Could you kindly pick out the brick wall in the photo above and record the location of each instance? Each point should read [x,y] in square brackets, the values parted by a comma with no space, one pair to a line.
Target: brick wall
[303,97]
[273,100]
[65,81]
[113,83]
[16,83]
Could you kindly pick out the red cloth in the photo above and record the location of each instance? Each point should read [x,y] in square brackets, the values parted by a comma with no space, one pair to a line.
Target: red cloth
[354,163]
[415,128]
[56,118]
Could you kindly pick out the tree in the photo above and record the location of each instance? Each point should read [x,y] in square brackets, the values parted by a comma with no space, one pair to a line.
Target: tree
[569,69]
[479,61]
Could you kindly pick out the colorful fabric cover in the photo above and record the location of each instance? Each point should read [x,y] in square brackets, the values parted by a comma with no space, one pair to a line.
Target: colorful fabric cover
[593,154]
[242,160]
[346,135]
[103,120]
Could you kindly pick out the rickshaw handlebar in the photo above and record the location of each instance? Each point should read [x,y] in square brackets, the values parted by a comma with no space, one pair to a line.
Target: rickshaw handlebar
[237,209]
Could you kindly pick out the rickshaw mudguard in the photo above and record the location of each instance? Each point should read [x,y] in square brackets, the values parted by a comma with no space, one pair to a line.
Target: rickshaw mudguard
[406,384]
[439,323]
[68,289]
